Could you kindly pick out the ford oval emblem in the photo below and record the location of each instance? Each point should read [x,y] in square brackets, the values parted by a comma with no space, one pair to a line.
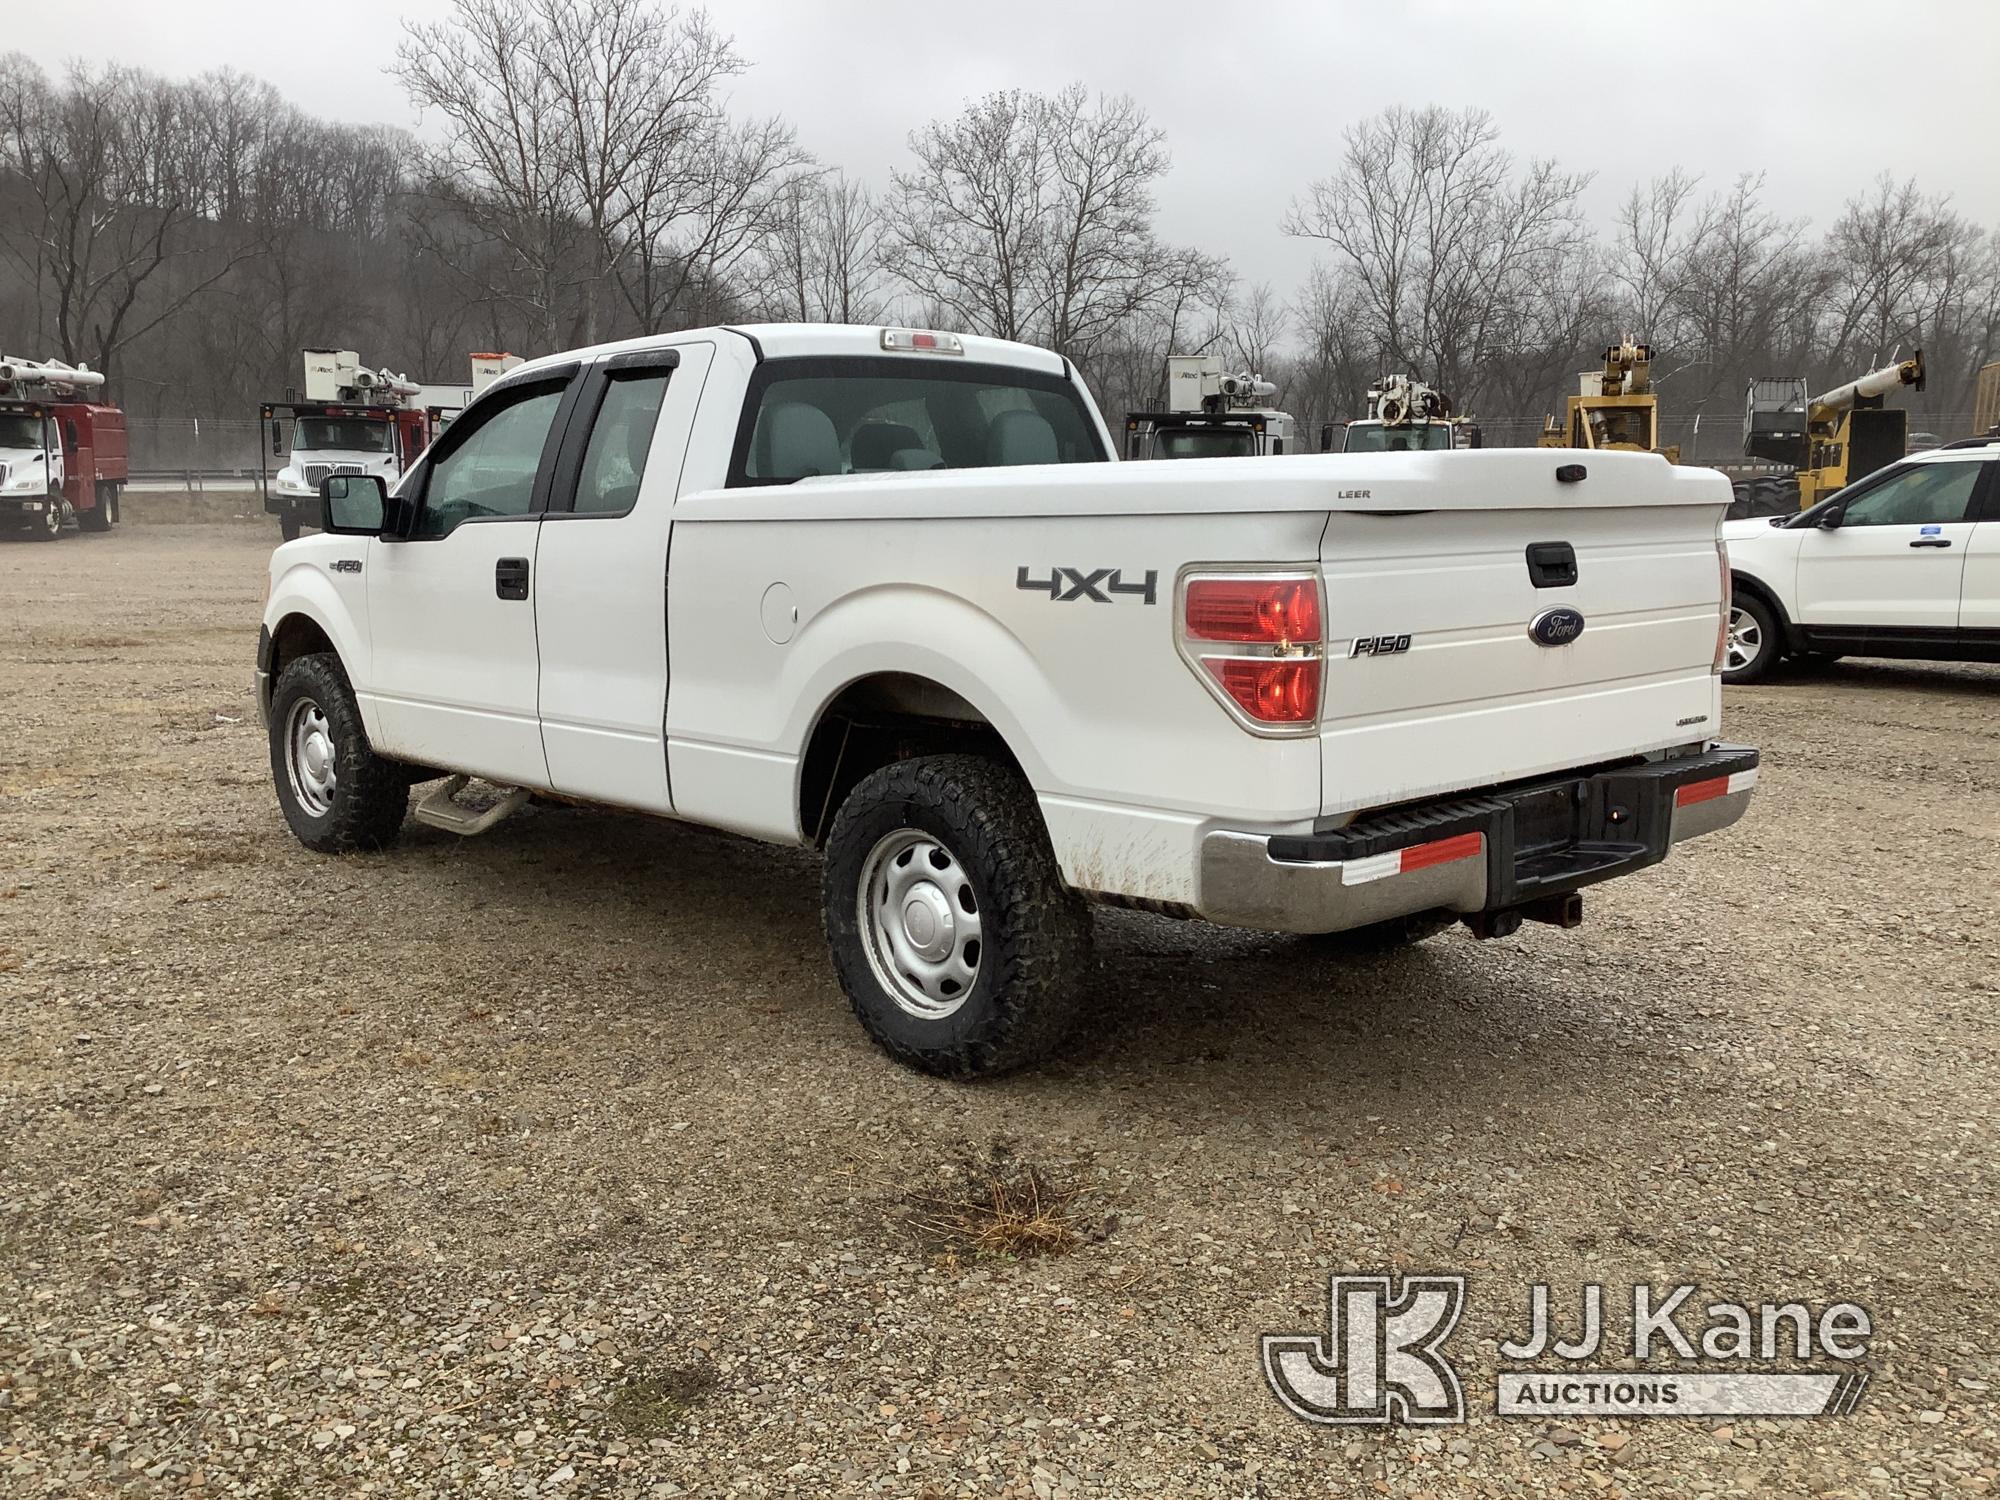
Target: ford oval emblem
[1556,627]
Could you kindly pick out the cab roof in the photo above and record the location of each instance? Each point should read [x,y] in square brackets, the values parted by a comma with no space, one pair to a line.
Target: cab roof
[804,340]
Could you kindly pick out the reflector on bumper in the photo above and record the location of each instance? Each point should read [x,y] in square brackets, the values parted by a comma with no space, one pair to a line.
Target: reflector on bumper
[1719,786]
[1416,857]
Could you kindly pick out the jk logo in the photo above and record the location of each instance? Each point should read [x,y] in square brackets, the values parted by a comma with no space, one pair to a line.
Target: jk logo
[1378,1360]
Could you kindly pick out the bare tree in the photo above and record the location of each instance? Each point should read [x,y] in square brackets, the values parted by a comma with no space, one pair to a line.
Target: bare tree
[1455,256]
[699,213]
[588,140]
[1660,232]
[1749,292]
[1030,216]
[822,259]
[114,180]
[1257,324]
[1905,271]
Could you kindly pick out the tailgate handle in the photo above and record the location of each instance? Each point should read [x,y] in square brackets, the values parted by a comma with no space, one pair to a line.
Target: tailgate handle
[1551,565]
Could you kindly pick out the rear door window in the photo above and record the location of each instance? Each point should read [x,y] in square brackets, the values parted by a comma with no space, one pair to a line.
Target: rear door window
[620,439]
[862,415]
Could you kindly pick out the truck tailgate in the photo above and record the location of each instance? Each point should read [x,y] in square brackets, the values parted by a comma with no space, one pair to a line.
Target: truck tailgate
[1472,698]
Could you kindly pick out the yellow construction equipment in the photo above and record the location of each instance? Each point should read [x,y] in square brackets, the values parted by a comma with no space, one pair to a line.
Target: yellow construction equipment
[1834,438]
[1615,407]
[1986,402]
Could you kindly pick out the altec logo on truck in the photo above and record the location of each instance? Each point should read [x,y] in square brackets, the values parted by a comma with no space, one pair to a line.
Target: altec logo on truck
[62,452]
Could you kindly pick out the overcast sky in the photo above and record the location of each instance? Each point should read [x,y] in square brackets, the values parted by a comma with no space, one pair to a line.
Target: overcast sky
[1254,97]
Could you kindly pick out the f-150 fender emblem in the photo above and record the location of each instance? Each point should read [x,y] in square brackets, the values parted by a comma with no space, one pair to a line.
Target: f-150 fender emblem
[345,565]
[1098,585]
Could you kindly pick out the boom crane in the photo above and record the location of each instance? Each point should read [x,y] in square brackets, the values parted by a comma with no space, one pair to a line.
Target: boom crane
[1836,437]
[62,448]
[1404,415]
[1212,412]
[354,420]
[1614,407]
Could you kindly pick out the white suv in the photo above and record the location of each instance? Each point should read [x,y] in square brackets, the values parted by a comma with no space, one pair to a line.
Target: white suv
[1903,563]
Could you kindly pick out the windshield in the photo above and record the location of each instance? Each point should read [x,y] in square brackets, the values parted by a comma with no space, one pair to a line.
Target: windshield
[1204,442]
[19,430]
[1418,437]
[868,414]
[351,434]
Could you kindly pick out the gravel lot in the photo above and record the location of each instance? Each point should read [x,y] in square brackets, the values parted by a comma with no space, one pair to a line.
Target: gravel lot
[552,1162]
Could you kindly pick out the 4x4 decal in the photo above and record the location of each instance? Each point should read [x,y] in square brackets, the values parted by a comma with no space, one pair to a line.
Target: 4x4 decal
[1099,585]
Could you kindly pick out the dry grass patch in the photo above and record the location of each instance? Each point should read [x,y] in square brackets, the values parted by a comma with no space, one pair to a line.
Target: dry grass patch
[999,1208]
[653,1403]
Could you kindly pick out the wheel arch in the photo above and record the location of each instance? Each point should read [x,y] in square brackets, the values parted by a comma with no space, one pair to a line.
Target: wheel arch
[1748,583]
[297,634]
[877,719]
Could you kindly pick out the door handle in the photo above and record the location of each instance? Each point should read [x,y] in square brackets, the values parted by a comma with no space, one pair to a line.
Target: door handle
[1932,541]
[510,578]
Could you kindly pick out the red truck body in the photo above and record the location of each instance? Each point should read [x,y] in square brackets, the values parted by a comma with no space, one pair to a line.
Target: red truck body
[91,439]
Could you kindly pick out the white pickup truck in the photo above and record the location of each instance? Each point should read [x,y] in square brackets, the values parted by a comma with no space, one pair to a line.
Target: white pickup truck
[881,591]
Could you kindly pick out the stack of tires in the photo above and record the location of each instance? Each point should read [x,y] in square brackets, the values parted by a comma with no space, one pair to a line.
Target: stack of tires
[1767,495]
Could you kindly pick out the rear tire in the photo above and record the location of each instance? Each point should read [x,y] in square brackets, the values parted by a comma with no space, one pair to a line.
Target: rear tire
[98,517]
[337,794]
[959,946]
[1756,640]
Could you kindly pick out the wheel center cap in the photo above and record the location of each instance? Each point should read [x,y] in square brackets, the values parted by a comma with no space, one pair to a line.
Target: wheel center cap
[316,756]
[927,922]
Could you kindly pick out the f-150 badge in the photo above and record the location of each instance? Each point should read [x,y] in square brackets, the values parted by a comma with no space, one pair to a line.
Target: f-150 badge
[1098,585]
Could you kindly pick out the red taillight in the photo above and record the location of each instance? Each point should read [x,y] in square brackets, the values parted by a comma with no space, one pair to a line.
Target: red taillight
[1258,642]
[1267,611]
[1270,690]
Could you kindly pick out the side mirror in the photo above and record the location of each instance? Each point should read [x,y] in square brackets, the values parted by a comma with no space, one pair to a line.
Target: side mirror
[353,504]
[1832,519]
[277,440]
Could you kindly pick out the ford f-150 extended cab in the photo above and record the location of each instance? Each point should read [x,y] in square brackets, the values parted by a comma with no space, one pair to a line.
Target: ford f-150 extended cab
[882,591]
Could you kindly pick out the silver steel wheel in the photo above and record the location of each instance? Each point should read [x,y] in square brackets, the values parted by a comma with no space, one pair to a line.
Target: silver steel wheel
[310,757]
[919,923]
[1746,639]
[52,518]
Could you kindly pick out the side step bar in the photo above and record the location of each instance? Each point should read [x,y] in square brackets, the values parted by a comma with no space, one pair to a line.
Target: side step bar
[442,809]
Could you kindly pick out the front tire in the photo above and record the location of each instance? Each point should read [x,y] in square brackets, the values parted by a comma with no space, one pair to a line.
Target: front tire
[290,527]
[48,525]
[337,794]
[1756,640]
[959,946]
